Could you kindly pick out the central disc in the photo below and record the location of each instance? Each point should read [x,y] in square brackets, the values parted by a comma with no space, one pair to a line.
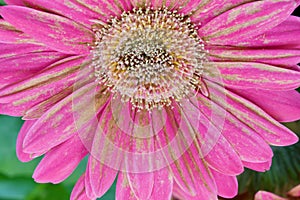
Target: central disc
[149,57]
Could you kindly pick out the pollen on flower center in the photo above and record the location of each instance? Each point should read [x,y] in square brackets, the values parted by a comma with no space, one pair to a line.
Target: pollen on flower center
[149,57]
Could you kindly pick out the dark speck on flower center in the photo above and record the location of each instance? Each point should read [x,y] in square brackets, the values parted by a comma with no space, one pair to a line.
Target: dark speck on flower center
[149,57]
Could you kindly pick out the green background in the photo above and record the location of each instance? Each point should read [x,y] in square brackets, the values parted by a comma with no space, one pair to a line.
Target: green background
[16,182]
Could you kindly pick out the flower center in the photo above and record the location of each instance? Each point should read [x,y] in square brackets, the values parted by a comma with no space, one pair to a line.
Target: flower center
[149,57]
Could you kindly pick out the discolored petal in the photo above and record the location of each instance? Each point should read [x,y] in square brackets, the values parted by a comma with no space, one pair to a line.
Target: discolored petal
[10,35]
[102,7]
[227,185]
[249,145]
[72,9]
[15,2]
[284,106]
[224,159]
[141,184]
[60,162]
[163,185]
[88,187]
[99,177]
[29,61]
[23,95]
[123,190]
[181,194]
[295,192]
[209,9]
[56,32]
[24,157]
[245,75]
[246,21]
[283,57]
[260,167]
[156,4]
[286,34]
[59,119]
[40,108]
[20,67]
[193,176]
[257,119]
[78,192]
[262,195]
[12,50]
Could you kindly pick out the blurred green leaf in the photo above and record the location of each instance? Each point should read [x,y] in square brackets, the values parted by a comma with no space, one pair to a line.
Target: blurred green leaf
[15,188]
[48,192]
[2,2]
[10,165]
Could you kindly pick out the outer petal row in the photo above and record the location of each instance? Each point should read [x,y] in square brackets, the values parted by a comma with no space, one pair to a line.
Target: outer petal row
[56,32]
[246,21]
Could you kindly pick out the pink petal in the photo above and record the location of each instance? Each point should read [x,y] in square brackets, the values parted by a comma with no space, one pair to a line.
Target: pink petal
[245,21]
[141,184]
[88,187]
[224,159]
[227,185]
[24,157]
[74,10]
[55,126]
[248,144]
[163,185]
[284,106]
[133,148]
[56,32]
[207,10]
[23,95]
[13,50]
[295,192]
[29,61]
[284,57]
[15,2]
[10,35]
[109,7]
[245,75]
[60,162]
[193,176]
[39,109]
[182,195]
[16,68]
[78,192]
[262,195]
[123,190]
[260,167]
[178,192]
[270,129]
[189,7]
[156,4]
[245,141]
[286,34]
[99,177]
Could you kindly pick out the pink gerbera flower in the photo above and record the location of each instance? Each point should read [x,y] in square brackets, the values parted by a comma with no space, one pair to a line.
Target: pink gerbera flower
[174,97]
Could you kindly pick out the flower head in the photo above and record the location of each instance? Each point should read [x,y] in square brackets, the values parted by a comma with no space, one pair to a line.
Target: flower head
[174,97]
